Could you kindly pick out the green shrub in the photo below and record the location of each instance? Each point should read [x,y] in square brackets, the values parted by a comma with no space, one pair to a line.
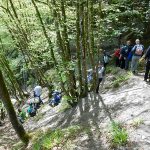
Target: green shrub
[116,85]
[64,104]
[120,79]
[56,138]
[18,146]
[49,140]
[119,135]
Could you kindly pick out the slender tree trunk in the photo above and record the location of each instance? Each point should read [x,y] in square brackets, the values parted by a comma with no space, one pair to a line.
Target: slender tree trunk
[84,50]
[50,45]
[9,72]
[78,49]
[91,40]
[71,73]
[11,112]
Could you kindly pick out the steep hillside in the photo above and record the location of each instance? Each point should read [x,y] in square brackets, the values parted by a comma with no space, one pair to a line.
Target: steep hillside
[128,104]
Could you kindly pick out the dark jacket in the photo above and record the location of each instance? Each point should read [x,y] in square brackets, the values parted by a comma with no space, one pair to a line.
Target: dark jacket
[147,55]
[126,50]
[107,56]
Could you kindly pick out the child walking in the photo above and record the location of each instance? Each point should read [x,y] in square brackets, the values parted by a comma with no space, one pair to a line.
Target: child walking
[101,72]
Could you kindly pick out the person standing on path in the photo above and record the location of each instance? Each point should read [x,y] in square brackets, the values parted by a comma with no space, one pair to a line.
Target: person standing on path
[137,52]
[101,72]
[37,93]
[106,58]
[147,58]
[125,51]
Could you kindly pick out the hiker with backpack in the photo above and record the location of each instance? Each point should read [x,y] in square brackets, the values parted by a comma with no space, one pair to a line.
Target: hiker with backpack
[37,93]
[126,54]
[56,98]
[137,52]
[31,110]
[21,115]
[147,58]
[101,74]
[106,58]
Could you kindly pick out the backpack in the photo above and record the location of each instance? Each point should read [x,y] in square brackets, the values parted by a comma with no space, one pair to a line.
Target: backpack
[106,59]
[139,50]
[32,111]
[89,77]
[130,56]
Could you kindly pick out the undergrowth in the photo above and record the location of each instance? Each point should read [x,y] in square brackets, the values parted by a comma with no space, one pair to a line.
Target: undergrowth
[119,76]
[119,80]
[56,138]
[119,135]
[64,104]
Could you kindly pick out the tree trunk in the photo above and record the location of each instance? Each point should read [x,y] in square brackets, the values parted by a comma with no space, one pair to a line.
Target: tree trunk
[78,49]
[71,73]
[91,41]
[50,45]
[84,50]
[11,112]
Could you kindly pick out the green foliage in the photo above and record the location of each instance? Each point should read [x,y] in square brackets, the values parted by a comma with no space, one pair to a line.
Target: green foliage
[58,137]
[141,66]
[48,140]
[119,80]
[112,70]
[119,135]
[119,76]
[116,84]
[27,49]
[64,104]
[19,146]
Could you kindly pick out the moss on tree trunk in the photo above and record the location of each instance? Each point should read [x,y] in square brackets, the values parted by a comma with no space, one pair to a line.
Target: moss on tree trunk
[11,112]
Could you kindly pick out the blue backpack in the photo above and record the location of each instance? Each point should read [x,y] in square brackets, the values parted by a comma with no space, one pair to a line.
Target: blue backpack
[130,56]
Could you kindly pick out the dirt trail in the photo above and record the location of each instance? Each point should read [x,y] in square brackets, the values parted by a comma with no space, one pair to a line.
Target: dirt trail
[7,136]
[129,102]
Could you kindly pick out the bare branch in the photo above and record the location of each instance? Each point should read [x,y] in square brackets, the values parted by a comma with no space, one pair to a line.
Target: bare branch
[41,2]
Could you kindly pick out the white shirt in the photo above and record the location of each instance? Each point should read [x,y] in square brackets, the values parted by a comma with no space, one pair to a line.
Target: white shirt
[38,90]
[100,72]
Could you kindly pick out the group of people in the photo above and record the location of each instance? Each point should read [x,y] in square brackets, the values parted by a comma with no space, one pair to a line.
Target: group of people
[128,57]
[34,105]
[36,102]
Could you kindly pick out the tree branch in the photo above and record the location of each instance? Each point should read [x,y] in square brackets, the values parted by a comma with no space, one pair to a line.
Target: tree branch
[41,2]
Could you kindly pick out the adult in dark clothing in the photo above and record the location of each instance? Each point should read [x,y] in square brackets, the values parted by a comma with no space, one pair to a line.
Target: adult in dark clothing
[56,98]
[122,62]
[125,52]
[147,58]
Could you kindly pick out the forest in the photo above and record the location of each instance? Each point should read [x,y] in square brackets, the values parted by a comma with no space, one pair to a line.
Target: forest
[53,43]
